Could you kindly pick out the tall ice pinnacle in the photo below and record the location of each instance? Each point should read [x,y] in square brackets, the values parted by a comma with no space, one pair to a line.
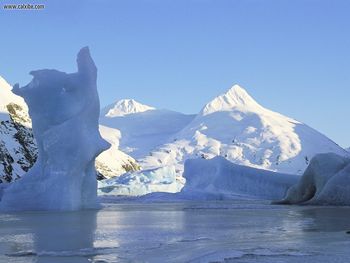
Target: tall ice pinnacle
[64,109]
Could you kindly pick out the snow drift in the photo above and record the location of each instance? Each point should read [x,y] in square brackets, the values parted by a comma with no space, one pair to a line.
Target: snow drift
[64,109]
[218,178]
[326,181]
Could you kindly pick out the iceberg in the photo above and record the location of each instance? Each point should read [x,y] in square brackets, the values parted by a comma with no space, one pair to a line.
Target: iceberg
[218,178]
[64,109]
[326,181]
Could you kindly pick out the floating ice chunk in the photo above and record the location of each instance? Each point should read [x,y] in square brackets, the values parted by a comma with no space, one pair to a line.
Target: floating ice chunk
[326,181]
[219,178]
[64,109]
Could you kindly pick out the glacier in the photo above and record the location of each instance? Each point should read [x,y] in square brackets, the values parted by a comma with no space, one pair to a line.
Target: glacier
[143,182]
[325,182]
[64,109]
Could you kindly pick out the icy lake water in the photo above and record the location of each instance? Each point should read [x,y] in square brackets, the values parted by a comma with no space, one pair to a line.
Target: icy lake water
[234,231]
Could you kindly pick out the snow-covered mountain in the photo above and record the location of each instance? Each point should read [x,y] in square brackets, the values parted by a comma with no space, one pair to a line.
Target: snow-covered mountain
[18,151]
[235,126]
[17,145]
[348,149]
[143,130]
[124,107]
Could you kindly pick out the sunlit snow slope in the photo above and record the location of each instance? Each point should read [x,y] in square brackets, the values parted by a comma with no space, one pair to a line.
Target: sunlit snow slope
[143,128]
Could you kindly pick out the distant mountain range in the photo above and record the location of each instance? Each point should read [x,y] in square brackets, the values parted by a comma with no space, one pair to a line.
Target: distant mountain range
[232,125]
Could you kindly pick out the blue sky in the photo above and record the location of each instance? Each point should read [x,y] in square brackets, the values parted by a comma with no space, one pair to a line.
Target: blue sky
[291,56]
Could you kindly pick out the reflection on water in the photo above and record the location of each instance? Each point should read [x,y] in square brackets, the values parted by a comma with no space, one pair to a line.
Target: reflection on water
[327,219]
[195,232]
[49,236]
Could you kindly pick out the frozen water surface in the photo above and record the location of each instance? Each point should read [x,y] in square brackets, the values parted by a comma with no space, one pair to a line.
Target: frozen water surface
[222,231]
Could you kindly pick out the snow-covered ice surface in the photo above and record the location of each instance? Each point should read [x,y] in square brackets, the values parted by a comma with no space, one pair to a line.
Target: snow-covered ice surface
[231,231]
[64,109]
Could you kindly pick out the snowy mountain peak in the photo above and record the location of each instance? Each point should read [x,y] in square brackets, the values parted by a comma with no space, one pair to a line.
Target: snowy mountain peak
[236,92]
[125,107]
[235,97]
